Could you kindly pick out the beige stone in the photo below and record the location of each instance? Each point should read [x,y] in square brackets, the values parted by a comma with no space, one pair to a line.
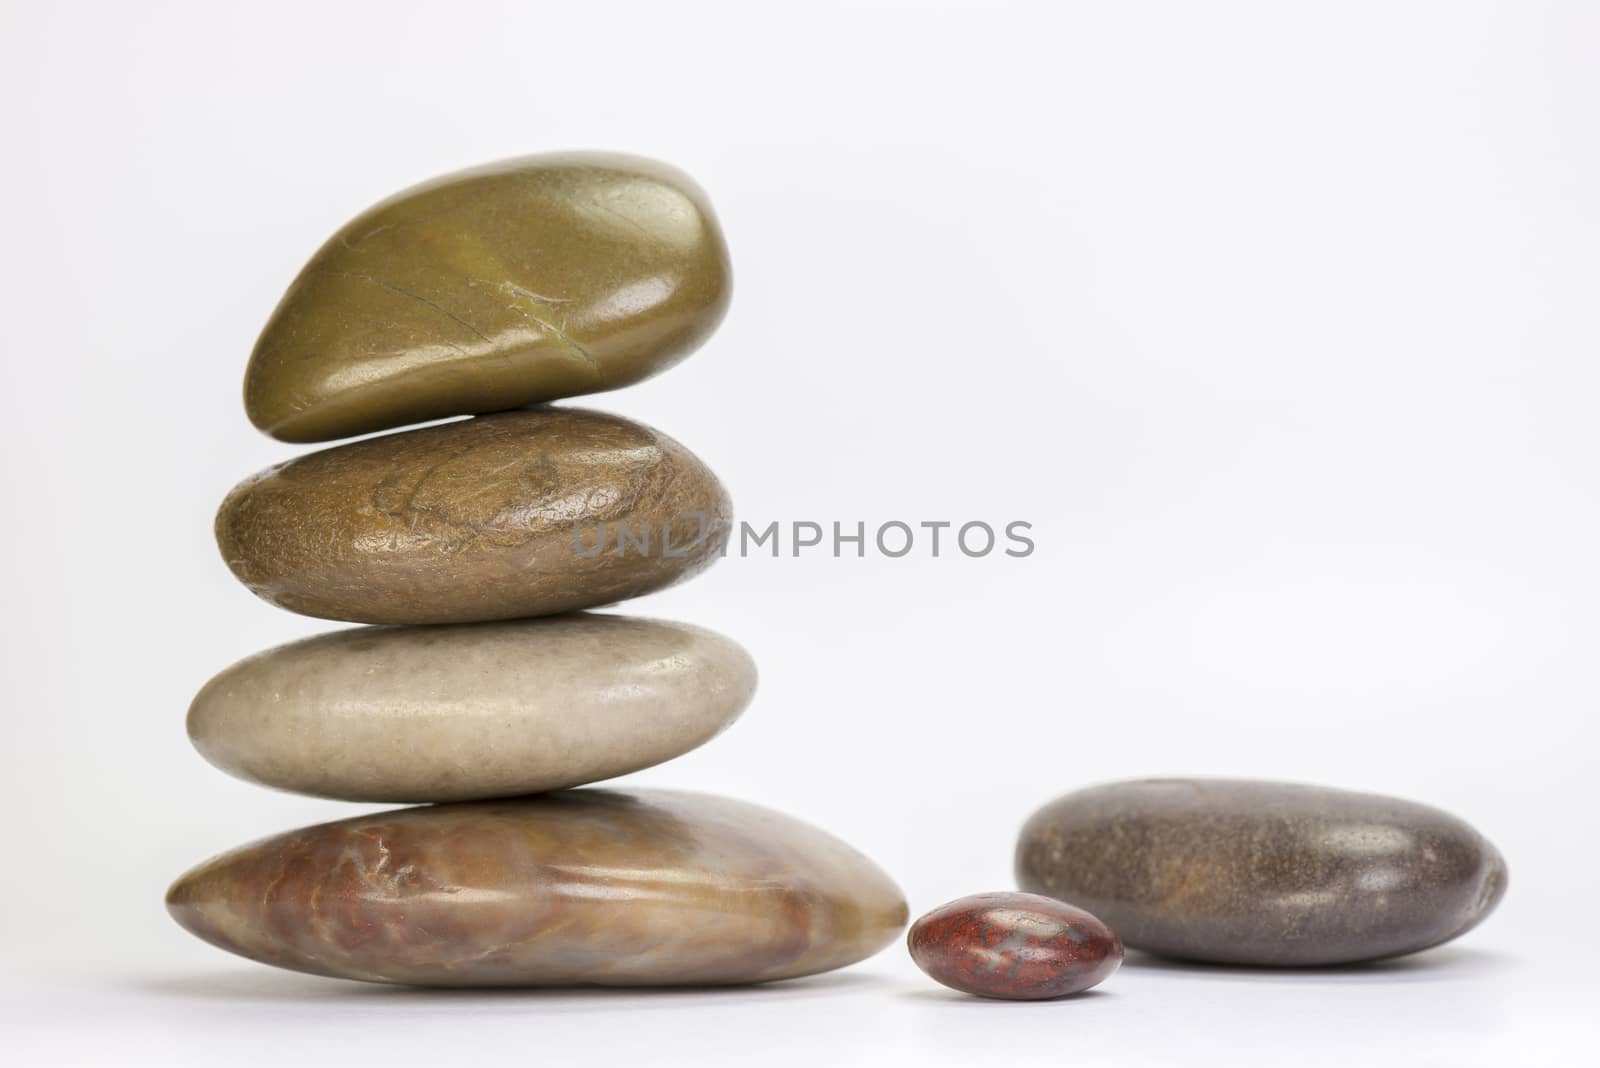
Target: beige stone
[481,710]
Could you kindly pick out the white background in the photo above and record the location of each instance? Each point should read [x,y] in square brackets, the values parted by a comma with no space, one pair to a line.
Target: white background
[1278,321]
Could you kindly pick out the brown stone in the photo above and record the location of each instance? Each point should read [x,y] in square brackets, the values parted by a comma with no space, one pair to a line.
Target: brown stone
[490,518]
[582,887]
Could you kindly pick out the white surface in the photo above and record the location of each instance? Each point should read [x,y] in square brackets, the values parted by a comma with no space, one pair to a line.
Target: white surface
[1276,320]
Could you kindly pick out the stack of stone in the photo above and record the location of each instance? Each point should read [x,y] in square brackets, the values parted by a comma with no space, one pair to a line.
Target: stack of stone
[486,292]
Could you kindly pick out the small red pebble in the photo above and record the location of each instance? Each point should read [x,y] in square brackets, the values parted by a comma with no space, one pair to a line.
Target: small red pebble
[1018,946]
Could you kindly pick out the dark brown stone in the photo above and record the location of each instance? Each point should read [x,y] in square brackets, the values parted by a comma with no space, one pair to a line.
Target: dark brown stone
[1015,946]
[1266,873]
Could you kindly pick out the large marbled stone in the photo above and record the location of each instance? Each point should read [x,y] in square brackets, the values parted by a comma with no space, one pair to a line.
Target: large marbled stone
[506,285]
[496,517]
[476,710]
[581,887]
[1266,873]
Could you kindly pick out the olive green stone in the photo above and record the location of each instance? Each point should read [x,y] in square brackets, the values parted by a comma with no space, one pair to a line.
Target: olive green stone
[494,288]
[517,514]
[1269,873]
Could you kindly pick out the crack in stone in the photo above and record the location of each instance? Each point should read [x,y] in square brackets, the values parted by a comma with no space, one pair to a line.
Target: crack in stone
[402,291]
[566,340]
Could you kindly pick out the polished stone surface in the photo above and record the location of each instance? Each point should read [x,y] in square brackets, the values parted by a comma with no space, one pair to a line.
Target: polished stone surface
[476,710]
[1021,947]
[1244,872]
[496,517]
[583,887]
[506,285]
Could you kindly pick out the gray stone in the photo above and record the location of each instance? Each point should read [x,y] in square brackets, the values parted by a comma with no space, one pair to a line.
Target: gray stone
[1260,872]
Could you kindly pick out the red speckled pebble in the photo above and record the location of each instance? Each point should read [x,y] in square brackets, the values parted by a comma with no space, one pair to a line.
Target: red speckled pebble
[1020,946]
